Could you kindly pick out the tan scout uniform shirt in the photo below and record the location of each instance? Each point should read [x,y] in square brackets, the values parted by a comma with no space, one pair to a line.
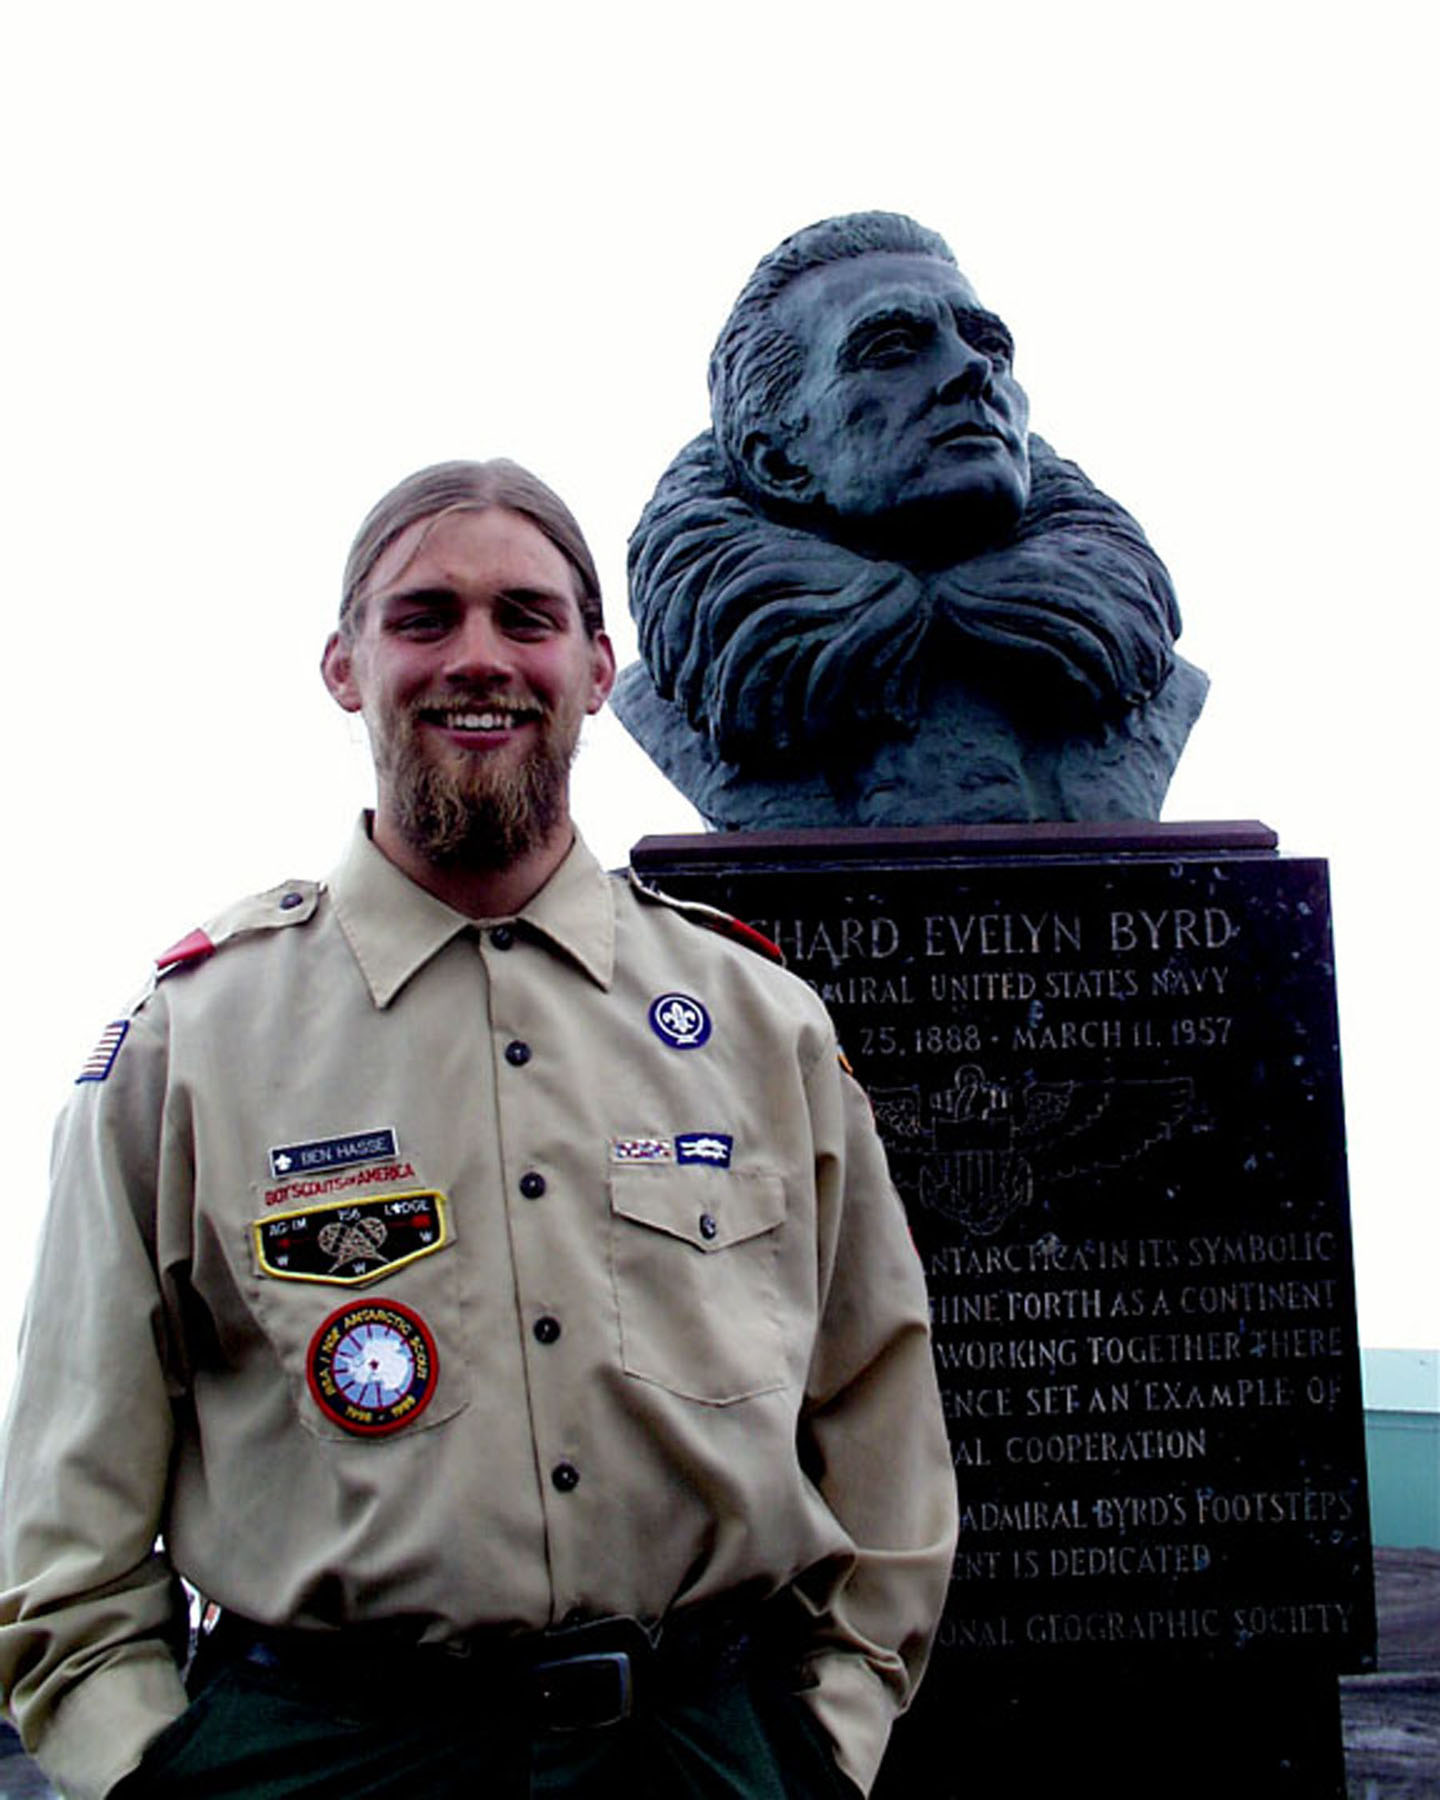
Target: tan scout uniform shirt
[481,1274]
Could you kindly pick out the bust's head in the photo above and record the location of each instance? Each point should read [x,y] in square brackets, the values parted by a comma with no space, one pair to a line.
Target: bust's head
[859,386]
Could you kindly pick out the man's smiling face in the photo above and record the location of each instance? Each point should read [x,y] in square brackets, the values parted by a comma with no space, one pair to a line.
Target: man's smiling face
[473,670]
[907,419]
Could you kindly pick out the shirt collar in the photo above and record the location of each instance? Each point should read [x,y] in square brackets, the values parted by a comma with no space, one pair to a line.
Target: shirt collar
[394,927]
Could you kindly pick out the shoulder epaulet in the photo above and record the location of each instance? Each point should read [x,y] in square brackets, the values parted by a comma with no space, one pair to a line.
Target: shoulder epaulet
[291,903]
[711,917]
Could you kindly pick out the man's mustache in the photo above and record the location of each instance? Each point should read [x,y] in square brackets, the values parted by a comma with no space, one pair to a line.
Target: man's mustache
[495,696]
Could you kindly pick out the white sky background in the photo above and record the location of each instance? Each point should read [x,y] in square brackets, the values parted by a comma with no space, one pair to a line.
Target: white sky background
[264,260]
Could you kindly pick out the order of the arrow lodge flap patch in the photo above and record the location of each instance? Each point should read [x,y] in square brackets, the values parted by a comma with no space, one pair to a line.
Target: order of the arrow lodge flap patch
[352,1243]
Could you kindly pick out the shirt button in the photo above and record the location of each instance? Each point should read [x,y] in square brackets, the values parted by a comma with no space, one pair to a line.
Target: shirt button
[502,937]
[288,902]
[532,1185]
[565,1477]
[517,1054]
[547,1330]
[708,1227]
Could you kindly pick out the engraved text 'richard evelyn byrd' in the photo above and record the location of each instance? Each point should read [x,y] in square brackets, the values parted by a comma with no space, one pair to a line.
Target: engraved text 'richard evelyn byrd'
[1111,1107]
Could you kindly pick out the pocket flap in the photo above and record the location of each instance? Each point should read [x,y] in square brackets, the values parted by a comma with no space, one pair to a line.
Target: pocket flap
[709,1209]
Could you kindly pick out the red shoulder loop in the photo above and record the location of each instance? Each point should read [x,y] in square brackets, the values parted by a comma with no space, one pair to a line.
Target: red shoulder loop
[711,917]
[194,947]
[747,935]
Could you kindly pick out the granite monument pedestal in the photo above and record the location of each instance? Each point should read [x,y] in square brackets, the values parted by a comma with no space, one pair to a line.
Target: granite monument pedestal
[1105,1064]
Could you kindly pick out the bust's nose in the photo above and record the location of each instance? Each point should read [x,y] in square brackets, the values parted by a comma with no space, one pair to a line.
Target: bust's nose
[965,373]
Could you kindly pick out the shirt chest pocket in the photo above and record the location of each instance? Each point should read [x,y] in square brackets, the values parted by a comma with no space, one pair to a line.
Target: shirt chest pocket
[360,1303]
[694,1255]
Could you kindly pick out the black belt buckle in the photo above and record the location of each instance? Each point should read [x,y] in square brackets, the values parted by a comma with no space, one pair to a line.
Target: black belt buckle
[580,1693]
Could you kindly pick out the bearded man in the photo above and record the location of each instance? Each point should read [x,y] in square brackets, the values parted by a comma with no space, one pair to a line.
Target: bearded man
[868,596]
[476,1277]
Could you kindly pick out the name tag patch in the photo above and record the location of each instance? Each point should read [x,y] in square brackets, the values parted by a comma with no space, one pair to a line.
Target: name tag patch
[351,1243]
[333,1152]
[372,1367]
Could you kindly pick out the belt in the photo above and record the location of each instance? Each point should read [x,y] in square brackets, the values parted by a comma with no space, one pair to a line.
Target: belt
[580,1677]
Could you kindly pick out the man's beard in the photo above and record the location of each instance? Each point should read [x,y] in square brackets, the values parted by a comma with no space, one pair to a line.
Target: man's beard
[487,811]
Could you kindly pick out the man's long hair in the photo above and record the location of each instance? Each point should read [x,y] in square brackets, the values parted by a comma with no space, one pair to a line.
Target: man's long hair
[469,486]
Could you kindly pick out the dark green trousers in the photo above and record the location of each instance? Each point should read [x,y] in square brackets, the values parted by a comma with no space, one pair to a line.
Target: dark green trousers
[253,1733]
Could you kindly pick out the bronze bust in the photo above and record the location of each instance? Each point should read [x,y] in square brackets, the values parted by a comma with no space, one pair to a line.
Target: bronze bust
[868,596]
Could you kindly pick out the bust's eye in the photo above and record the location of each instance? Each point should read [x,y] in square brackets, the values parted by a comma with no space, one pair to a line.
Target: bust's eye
[988,335]
[892,343]
[994,342]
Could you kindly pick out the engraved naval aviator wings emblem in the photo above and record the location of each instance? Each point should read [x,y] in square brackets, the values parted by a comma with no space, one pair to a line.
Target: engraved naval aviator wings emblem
[976,1151]
[352,1242]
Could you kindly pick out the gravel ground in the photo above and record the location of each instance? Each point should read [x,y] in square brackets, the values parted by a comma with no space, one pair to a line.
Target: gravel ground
[1392,1718]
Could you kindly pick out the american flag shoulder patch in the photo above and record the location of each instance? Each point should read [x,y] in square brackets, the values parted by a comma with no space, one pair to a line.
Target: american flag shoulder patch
[101,1059]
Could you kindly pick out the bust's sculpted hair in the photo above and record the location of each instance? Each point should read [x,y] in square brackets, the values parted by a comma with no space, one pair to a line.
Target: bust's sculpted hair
[777,642]
[468,487]
[756,364]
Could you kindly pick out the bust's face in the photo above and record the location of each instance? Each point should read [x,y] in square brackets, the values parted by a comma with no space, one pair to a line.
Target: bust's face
[914,431]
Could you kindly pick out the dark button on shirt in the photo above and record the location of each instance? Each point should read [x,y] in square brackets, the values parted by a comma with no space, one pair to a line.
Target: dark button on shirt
[708,1227]
[517,1053]
[532,1184]
[502,937]
[565,1476]
[547,1329]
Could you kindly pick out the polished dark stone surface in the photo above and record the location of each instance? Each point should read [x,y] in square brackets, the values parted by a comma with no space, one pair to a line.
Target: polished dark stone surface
[1108,1079]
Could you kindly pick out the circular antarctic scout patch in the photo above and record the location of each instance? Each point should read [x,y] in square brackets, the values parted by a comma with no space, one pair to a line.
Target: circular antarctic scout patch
[373,1366]
[679,1021]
